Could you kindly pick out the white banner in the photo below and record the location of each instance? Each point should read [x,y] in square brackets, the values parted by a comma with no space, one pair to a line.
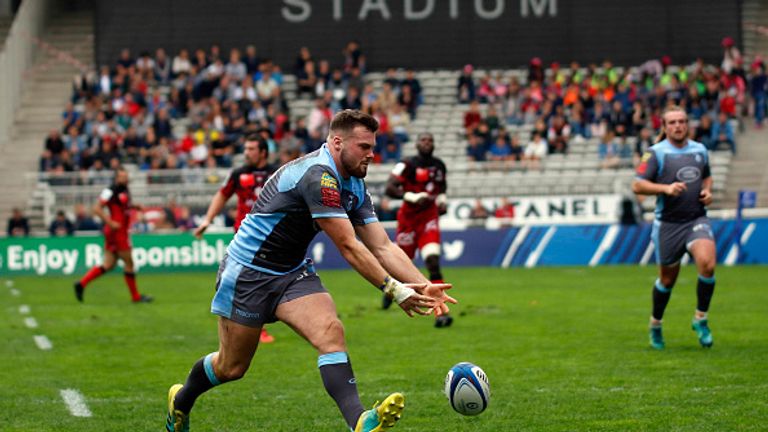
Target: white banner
[543,210]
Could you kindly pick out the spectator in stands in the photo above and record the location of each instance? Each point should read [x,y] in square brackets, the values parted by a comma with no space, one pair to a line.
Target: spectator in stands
[478,212]
[251,60]
[162,70]
[476,150]
[391,148]
[387,98]
[505,210]
[353,57]
[306,79]
[722,133]
[399,121]
[54,145]
[608,151]
[84,221]
[472,118]
[352,99]
[466,85]
[704,133]
[125,60]
[18,225]
[407,101]
[516,150]
[235,69]
[411,81]
[536,150]
[500,152]
[643,143]
[61,226]
[759,91]
[732,59]
[558,135]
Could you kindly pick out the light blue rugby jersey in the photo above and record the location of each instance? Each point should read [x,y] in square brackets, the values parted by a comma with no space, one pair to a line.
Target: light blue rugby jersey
[666,164]
[274,237]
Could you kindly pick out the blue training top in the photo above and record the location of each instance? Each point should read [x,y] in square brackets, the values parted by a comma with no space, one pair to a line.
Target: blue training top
[666,164]
[275,236]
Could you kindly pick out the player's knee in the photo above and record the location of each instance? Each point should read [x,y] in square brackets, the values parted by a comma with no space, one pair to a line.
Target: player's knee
[232,371]
[332,338]
[707,268]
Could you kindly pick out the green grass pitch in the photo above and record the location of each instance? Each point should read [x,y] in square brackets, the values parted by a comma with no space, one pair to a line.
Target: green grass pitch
[565,349]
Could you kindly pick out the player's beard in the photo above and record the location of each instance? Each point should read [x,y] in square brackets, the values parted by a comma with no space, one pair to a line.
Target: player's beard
[678,137]
[352,166]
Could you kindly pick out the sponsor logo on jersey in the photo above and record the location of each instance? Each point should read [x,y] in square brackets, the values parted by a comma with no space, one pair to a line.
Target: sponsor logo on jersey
[328,181]
[688,174]
[330,197]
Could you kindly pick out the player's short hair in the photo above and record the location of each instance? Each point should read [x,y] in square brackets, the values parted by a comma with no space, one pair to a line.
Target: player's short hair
[262,144]
[345,121]
[425,135]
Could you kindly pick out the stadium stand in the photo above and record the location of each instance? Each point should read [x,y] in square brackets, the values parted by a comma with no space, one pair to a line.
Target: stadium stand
[167,149]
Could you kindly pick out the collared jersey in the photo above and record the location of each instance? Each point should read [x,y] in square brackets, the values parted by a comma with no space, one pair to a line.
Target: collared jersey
[664,163]
[246,182]
[274,237]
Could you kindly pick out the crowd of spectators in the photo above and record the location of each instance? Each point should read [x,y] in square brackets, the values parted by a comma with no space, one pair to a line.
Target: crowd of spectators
[127,112]
[621,108]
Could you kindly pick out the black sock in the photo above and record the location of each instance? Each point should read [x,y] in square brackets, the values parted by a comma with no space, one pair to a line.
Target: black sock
[660,297]
[704,290]
[201,379]
[339,381]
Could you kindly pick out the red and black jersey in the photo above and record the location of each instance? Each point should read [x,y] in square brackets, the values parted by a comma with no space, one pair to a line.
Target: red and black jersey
[118,200]
[418,174]
[247,182]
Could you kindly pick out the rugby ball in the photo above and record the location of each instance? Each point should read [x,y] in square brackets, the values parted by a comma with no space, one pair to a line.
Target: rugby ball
[467,388]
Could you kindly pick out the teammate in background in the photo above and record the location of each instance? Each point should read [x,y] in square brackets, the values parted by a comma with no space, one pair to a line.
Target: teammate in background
[676,170]
[420,183]
[265,276]
[117,242]
[246,182]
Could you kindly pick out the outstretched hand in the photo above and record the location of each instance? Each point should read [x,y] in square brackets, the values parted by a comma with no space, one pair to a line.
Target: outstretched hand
[428,298]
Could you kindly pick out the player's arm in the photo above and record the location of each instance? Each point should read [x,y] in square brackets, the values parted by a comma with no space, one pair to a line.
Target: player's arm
[395,187]
[217,205]
[647,187]
[645,182]
[360,258]
[442,187]
[397,263]
[98,209]
[705,196]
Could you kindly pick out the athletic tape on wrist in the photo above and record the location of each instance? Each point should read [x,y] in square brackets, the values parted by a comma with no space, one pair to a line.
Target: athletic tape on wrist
[396,290]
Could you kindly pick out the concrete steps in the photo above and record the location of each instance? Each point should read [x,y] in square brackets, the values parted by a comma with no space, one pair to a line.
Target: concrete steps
[44,96]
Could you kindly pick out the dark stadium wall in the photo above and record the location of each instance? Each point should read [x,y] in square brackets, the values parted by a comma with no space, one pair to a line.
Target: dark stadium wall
[426,33]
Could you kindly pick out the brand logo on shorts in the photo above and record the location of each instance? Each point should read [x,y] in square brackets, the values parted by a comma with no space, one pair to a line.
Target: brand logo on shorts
[246,314]
[703,227]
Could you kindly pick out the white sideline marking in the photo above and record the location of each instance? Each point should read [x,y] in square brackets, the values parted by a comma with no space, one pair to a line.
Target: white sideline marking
[521,235]
[75,403]
[24,309]
[733,254]
[534,257]
[30,322]
[15,292]
[43,342]
[647,254]
[608,240]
